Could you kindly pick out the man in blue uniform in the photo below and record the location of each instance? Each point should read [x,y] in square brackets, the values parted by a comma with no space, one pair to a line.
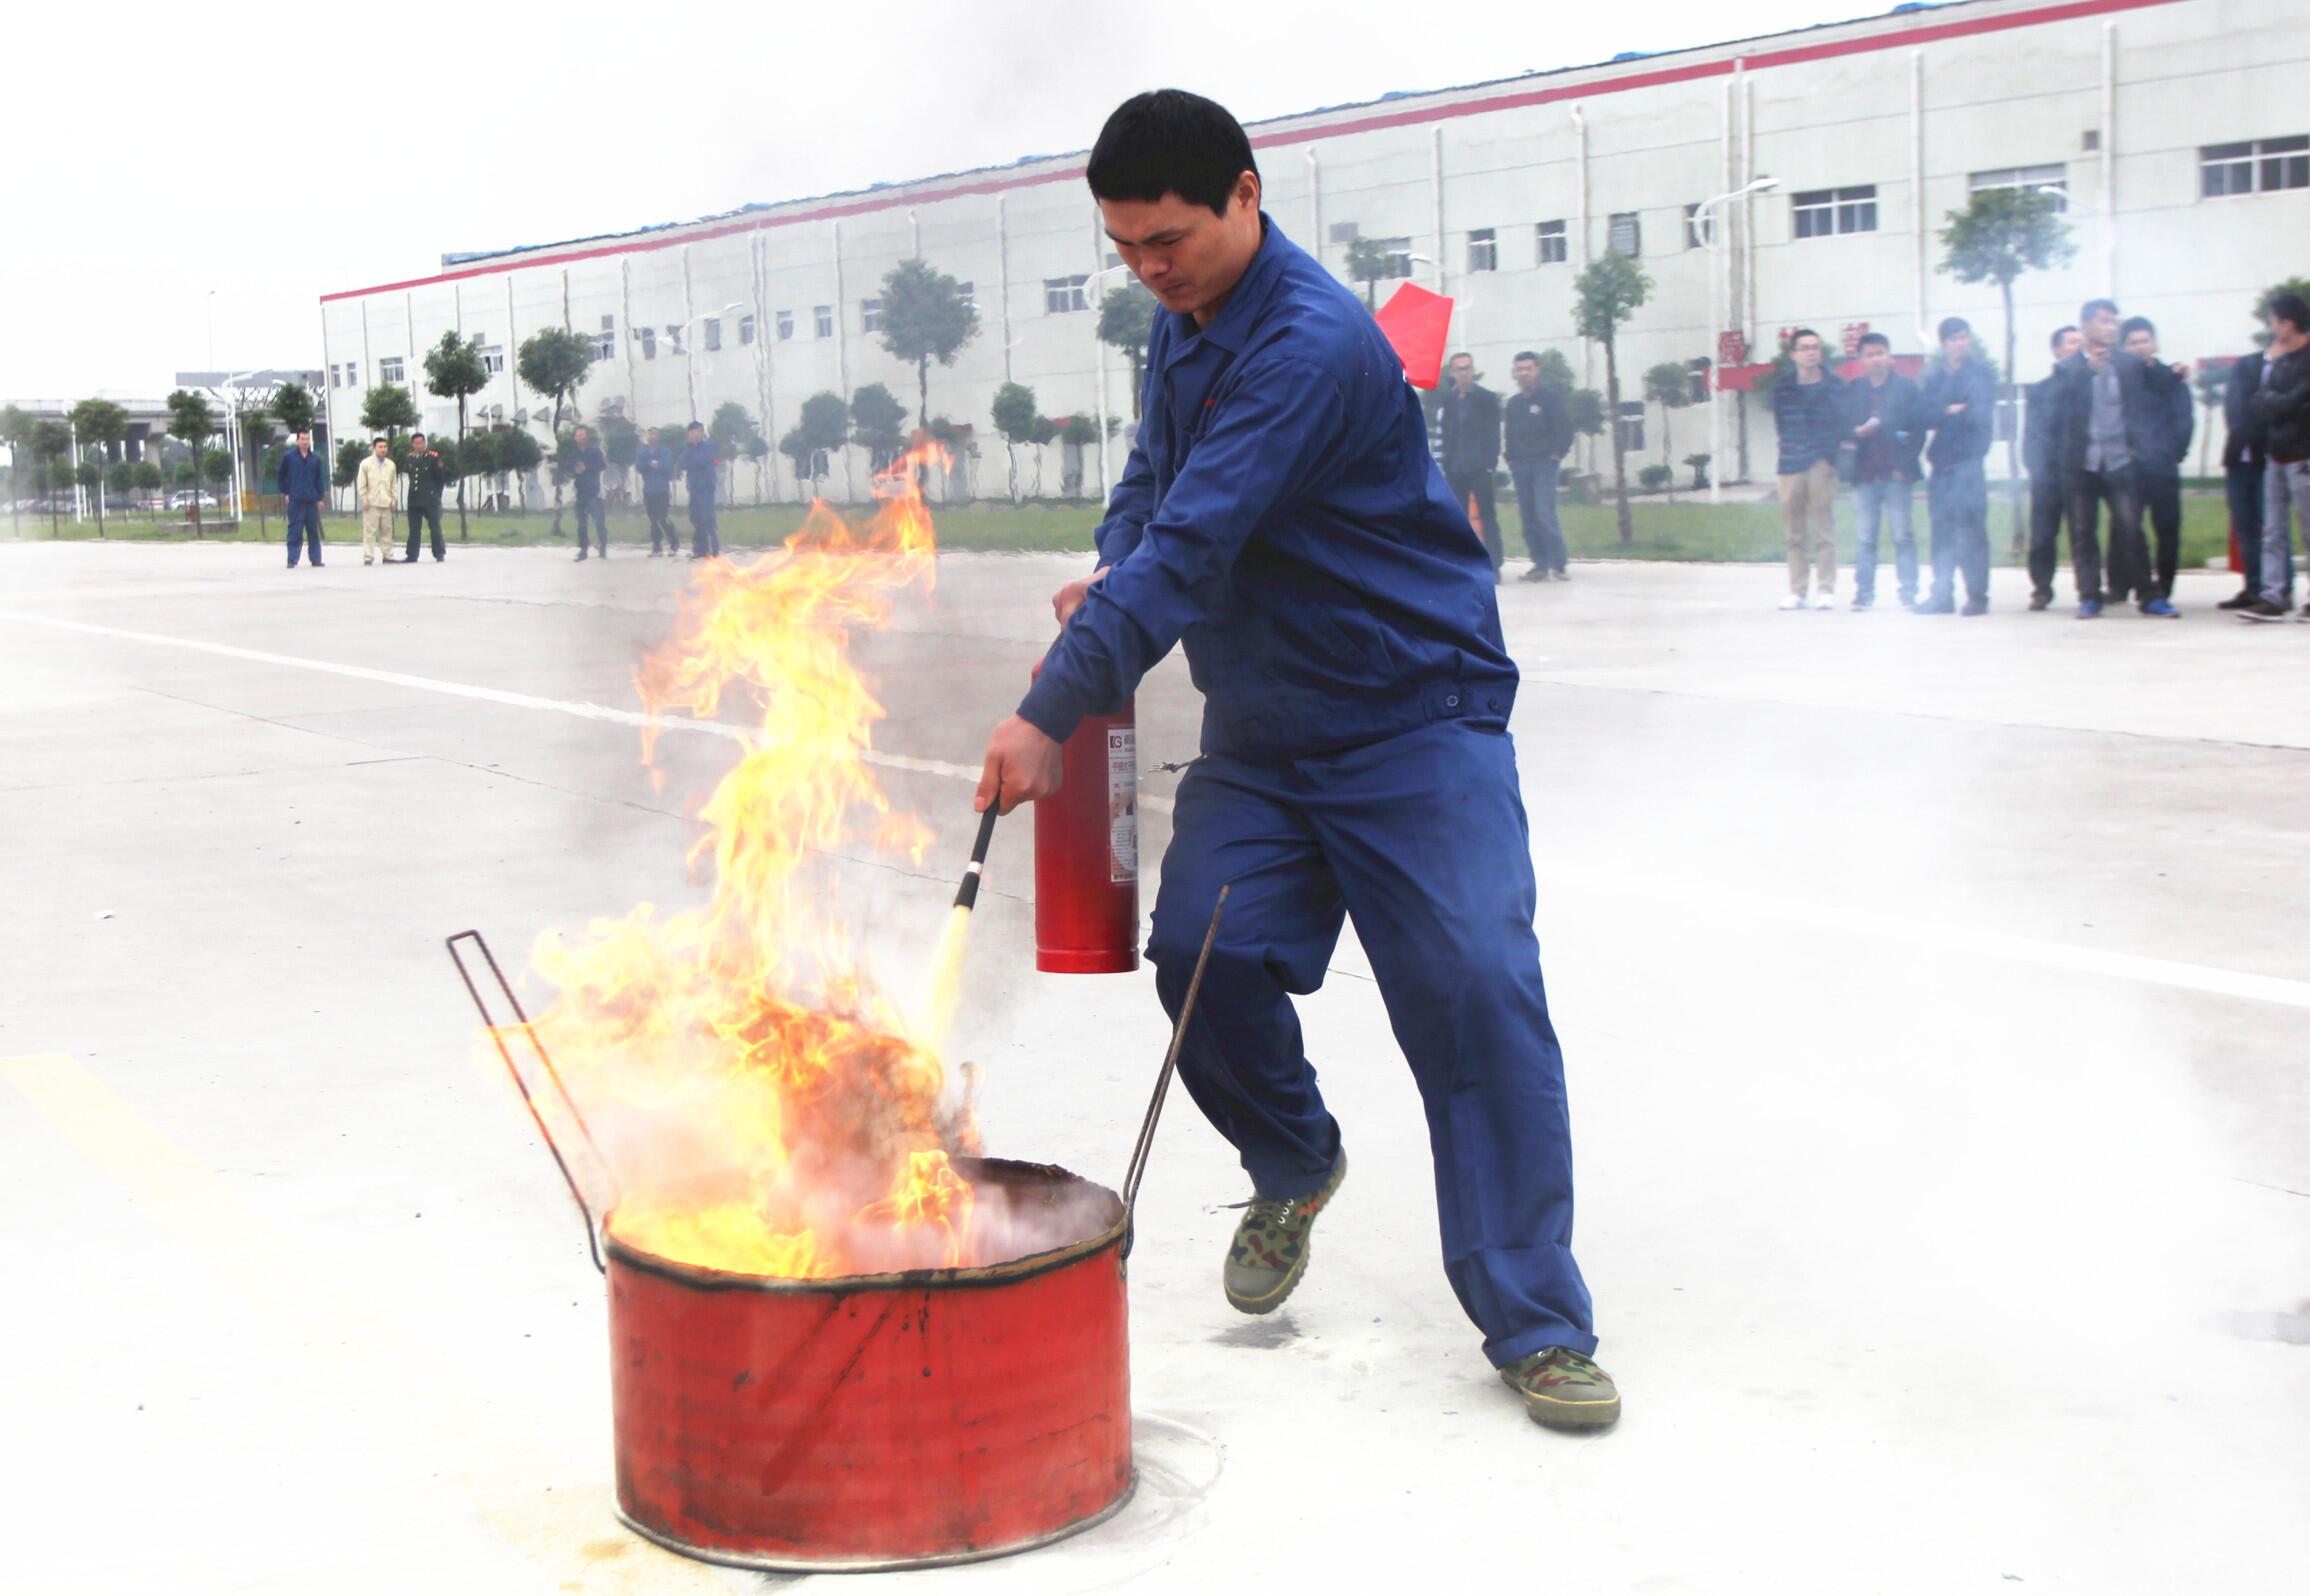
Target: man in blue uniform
[304,482]
[654,463]
[1282,518]
[702,475]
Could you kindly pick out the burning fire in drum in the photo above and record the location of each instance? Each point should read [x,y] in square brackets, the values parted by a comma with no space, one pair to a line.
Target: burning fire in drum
[841,1337]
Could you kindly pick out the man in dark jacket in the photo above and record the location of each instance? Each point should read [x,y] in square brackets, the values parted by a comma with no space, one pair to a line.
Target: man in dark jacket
[2280,409]
[2048,489]
[304,482]
[1881,409]
[422,469]
[1537,429]
[1959,403]
[2100,430]
[2242,466]
[1471,417]
[1809,415]
[654,463]
[702,475]
[2172,420]
[586,465]
[1282,520]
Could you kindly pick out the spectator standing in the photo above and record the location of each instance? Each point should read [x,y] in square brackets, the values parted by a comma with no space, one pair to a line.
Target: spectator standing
[2280,409]
[2169,420]
[2242,466]
[654,462]
[1537,429]
[422,466]
[2048,492]
[1960,405]
[373,490]
[2098,403]
[1472,449]
[303,479]
[1882,410]
[702,475]
[586,465]
[1808,413]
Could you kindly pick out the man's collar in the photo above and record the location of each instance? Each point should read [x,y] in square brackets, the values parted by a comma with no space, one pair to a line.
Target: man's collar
[1250,292]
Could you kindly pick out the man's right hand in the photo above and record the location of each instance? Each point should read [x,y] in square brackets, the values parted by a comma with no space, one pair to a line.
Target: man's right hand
[1069,599]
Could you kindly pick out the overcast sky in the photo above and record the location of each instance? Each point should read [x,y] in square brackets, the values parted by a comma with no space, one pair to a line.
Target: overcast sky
[347,146]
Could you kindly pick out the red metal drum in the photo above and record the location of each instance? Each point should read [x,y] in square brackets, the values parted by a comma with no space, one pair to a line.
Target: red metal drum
[1087,853]
[878,1421]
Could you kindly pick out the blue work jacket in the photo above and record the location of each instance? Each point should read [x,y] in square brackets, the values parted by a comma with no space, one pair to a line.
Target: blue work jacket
[1281,516]
[302,478]
[701,469]
[655,463]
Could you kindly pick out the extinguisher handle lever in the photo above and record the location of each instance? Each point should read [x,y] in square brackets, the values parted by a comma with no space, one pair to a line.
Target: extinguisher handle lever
[1138,1169]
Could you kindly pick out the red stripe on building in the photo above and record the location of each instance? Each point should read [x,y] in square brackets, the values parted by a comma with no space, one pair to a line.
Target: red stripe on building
[1594,88]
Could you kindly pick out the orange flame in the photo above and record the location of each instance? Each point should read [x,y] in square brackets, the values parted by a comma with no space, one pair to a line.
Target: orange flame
[764,1107]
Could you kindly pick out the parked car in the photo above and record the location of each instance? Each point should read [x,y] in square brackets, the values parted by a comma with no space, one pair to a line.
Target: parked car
[182,500]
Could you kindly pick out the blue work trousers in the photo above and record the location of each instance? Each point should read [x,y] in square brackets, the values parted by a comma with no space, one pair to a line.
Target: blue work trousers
[1883,503]
[1536,507]
[589,506]
[1957,497]
[705,530]
[304,523]
[1421,838]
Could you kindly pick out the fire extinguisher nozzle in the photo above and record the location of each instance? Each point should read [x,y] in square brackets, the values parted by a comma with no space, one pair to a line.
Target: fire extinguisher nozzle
[967,895]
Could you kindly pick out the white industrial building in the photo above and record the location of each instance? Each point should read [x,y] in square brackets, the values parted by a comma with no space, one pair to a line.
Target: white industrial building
[2177,132]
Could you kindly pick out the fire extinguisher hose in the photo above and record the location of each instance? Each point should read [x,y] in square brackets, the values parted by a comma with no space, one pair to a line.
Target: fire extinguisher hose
[1138,1168]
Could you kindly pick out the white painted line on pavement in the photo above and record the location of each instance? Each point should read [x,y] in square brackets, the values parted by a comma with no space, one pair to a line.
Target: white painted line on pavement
[1732,903]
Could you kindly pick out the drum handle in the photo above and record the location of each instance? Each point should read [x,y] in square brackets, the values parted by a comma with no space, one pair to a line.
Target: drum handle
[529,1100]
[1138,1169]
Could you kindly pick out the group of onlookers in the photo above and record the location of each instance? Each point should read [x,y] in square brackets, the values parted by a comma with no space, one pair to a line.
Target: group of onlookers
[1533,428]
[2106,430]
[418,479]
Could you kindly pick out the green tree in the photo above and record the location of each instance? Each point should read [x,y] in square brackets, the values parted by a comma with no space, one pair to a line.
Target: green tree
[454,370]
[1668,385]
[1370,263]
[16,431]
[256,428]
[732,428]
[1014,417]
[350,454]
[555,361]
[822,428]
[516,453]
[295,408]
[1606,293]
[477,458]
[1078,432]
[145,477]
[51,442]
[621,442]
[1555,371]
[2002,233]
[101,423]
[795,446]
[390,409]
[925,317]
[217,467]
[193,423]
[878,421]
[1126,322]
[757,450]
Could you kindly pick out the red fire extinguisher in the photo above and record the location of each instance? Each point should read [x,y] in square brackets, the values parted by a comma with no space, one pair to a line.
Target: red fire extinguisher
[1087,853]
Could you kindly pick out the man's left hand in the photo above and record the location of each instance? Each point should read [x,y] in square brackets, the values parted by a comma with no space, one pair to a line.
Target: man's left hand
[1022,764]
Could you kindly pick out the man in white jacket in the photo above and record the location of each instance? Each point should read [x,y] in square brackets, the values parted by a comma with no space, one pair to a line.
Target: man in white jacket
[373,487]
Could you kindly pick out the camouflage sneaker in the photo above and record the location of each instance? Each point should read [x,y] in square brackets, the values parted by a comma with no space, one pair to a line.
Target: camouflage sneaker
[1270,1249]
[1564,1390]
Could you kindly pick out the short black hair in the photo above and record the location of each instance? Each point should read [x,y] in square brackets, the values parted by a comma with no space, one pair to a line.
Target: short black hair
[1526,354]
[2094,307]
[373,442]
[1168,141]
[1879,339]
[1461,354]
[1951,326]
[2290,306]
[2135,324]
[647,431]
[2059,333]
[1803,333]
[695,426]
[414,436]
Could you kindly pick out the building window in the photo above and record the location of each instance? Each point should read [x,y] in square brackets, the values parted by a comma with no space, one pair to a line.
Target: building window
[870,315]
[1821,212]
[606,342]
[649,343]
[968,293]
[493,358]
[352,374]
[674,338]
[2259,167]
[1625,235]
[823,317]
[1632,426]
[746,329]
[785,325]
[1483,250]
[390,369]
[1699,226]
[713,333]
[1063,294]
[2053,178]
[1551,237]
[1398,252]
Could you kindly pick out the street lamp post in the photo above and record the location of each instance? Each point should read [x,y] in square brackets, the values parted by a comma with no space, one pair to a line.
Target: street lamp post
[1708,218]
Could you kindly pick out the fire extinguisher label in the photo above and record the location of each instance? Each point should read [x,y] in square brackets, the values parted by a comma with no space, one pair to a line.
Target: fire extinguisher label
[1122,804]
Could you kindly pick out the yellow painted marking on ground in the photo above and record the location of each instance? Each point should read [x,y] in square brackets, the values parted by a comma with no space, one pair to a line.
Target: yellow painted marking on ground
[272,1275]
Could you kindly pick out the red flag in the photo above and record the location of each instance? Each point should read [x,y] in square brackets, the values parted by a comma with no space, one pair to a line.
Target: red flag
[1417,323]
